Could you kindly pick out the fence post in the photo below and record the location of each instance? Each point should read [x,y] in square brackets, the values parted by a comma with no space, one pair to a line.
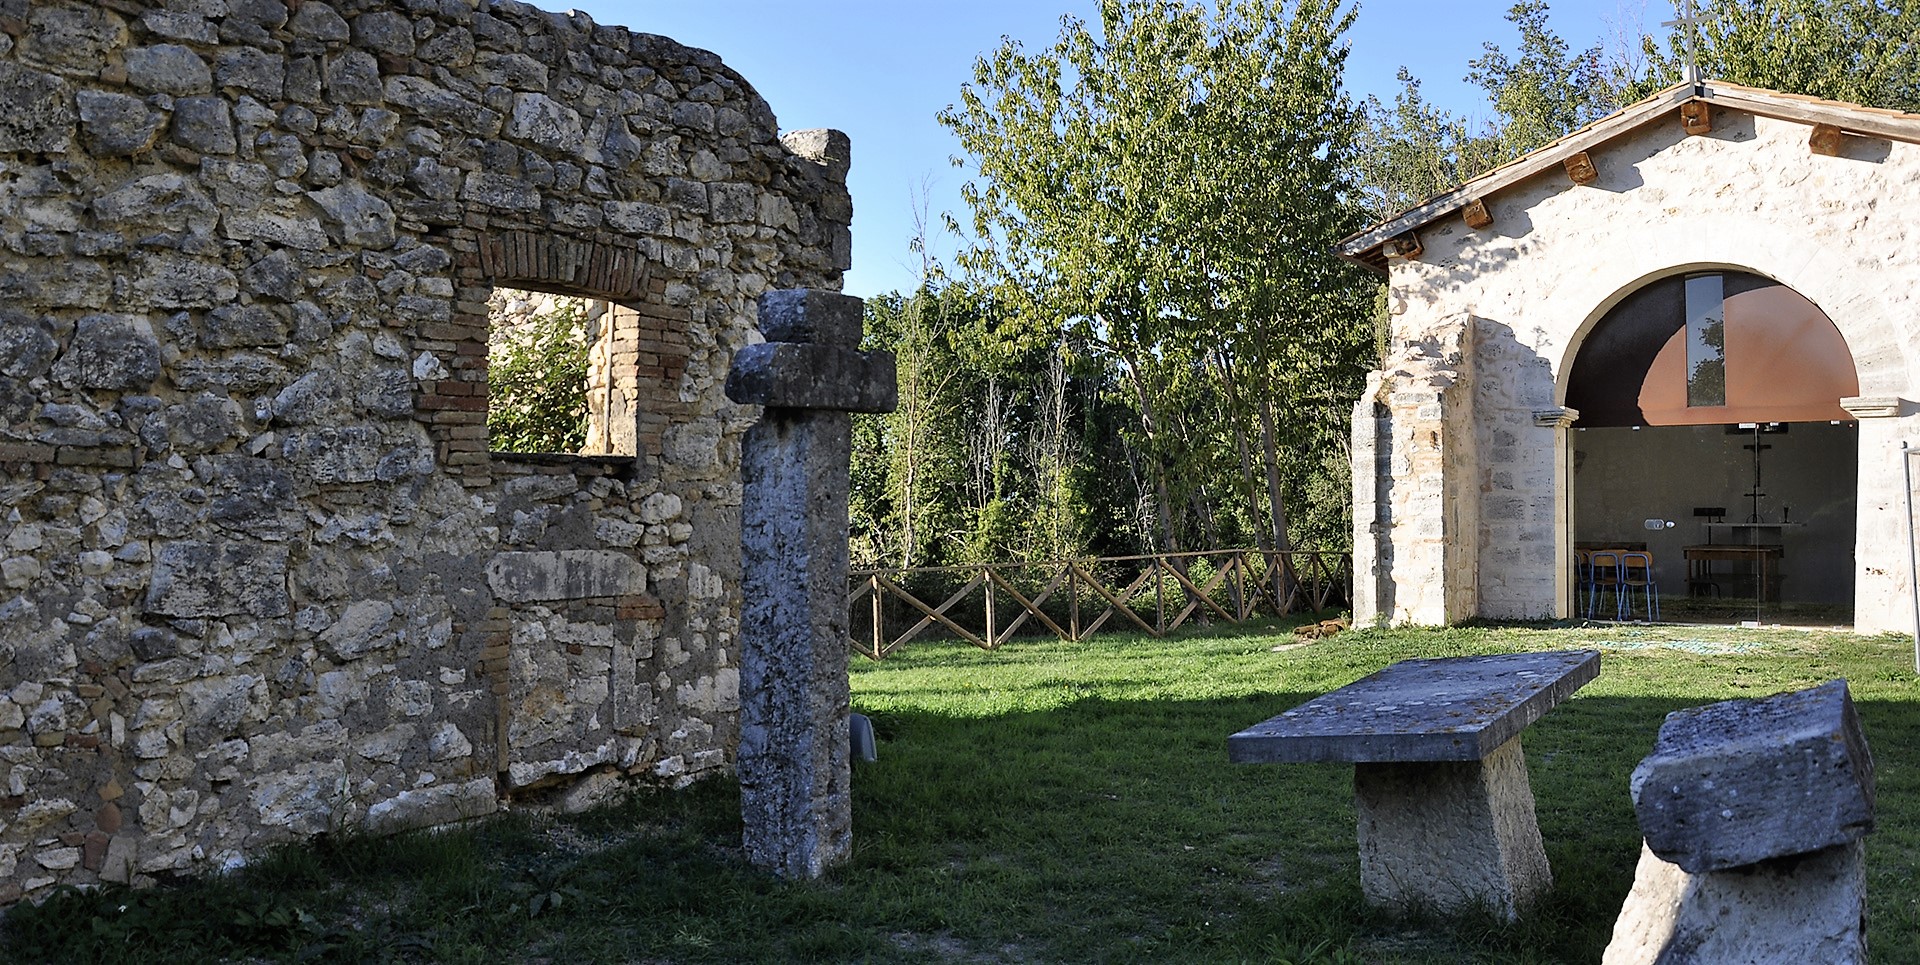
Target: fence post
[879,619]
[986,580]
[1159,599]
[1073,602]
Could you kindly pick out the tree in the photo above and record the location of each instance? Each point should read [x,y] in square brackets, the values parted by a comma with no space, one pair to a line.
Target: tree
[1861,51]
[537,382]
[981,459]
[1165,190]
[1416,150]
[1547,92]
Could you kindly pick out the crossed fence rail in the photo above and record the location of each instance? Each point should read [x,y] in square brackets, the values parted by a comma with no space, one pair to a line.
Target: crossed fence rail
[988,604]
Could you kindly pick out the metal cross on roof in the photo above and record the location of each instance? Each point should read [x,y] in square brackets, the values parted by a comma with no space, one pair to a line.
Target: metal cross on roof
[1688,19]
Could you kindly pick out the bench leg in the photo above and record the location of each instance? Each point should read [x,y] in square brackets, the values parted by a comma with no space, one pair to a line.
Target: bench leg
[1449,835]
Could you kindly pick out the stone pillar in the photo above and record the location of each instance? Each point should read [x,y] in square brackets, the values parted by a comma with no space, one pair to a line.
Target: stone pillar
[1882,577]
[1418,542]
[1560,420]
[1450,835]
[1372,474]
[794,796]
[1753,812]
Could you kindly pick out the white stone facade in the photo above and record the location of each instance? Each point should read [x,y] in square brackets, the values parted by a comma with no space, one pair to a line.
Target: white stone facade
[1461,456]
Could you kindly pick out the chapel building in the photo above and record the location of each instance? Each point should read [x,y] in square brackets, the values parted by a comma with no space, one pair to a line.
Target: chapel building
[1686,330]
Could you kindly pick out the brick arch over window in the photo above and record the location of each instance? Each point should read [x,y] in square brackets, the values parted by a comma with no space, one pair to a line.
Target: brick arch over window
[638,360]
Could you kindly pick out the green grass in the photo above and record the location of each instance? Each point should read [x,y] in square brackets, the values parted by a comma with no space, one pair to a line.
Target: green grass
[1051,802]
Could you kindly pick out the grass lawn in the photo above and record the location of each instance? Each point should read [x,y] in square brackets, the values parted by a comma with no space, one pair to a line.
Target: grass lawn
[1051,802]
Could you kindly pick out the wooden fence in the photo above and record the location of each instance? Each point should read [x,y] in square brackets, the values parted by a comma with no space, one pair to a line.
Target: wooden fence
[1072,599]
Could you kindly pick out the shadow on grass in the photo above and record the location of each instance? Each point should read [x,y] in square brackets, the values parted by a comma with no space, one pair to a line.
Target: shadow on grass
[1100,830]
[1107,830]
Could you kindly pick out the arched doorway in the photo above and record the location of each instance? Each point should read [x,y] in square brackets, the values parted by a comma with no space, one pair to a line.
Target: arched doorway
[1711,437]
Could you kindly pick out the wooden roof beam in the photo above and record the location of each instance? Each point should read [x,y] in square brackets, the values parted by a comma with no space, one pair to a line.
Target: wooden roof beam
[1827,140]
[1580,168]
[1406,246]
[1696,118]
[1476,214]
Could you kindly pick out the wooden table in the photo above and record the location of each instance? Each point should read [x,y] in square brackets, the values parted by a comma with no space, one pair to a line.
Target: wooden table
[1446,811]
[1700,560]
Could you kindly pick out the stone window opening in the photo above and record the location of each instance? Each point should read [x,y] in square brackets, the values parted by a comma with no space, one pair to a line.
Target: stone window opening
[548,358]
[636,341]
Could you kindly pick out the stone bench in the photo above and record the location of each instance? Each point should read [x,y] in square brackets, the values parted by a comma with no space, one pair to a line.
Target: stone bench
[1753,813]
[1446,813]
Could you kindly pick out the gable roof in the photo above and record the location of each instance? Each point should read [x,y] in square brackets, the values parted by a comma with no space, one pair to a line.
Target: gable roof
[1367,247]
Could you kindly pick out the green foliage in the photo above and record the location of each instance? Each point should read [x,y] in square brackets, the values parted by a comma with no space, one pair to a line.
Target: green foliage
[1544,94]
[985,457]
[1860,51]
[537,384]
[1415,150]
[1162,192]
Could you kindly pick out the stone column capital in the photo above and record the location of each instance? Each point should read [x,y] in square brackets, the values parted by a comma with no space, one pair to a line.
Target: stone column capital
[1874,406]
[1559,417]
[789,375]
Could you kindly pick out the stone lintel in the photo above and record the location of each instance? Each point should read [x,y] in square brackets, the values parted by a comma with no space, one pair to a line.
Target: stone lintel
[1435,709]
[1874,406]
[1743,781]
[788,375]
[1559,417]
[812,315]
[530,577]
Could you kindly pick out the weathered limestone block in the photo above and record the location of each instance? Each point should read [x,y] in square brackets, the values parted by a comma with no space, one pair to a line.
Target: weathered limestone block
[110,352]
[358,217]
[195,579]
[1742,781]
[545,121]
[528,577]
[792,376]
[72,37]
[112,125]
[1753,812]
[429,806]
[1806,908]
[39,115]
[1451,835]
[204,124]
[361,628]
[318,21]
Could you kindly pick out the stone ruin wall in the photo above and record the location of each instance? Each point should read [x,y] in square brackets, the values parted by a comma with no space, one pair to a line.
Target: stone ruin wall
[260,577]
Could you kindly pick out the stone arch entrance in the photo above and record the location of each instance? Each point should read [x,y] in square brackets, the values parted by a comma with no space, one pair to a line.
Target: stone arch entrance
[1709,406]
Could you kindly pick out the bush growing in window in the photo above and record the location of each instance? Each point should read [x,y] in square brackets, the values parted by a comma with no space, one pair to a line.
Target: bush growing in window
[537,381]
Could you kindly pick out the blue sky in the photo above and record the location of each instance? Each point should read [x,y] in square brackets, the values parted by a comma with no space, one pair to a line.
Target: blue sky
[880,69]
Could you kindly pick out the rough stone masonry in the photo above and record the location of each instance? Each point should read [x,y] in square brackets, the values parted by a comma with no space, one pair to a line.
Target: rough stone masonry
[260,576]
